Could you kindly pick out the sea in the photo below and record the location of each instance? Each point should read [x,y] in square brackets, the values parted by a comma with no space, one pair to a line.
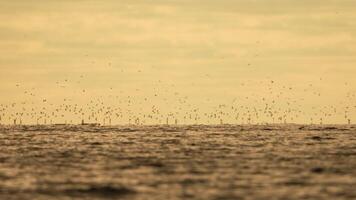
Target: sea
[280,161]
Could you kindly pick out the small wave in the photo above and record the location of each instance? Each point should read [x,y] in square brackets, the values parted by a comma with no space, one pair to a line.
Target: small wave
[100,191]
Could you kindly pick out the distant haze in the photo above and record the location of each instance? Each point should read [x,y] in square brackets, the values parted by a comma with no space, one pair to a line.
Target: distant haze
[181,56]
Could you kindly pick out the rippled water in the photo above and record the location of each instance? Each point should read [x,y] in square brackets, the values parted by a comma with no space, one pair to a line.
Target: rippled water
[183,162]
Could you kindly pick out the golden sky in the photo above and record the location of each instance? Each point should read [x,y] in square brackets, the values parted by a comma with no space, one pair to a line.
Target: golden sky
[299,54]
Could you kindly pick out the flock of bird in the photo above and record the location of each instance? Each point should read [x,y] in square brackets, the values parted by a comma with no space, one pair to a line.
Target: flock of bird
[277,105]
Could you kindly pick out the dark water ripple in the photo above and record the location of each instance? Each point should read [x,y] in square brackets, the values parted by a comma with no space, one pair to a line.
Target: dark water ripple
[182,162]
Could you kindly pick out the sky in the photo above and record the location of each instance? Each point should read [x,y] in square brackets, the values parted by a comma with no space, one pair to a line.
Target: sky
[296,54]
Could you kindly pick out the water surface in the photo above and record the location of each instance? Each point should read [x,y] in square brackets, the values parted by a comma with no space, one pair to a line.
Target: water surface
[178,162]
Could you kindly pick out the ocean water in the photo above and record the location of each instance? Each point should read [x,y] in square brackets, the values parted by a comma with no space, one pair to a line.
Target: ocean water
[178,162]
